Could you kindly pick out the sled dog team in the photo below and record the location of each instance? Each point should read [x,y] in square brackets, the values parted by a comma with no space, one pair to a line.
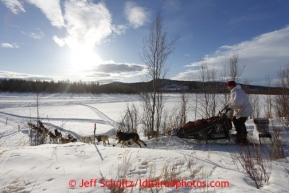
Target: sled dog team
[122,137]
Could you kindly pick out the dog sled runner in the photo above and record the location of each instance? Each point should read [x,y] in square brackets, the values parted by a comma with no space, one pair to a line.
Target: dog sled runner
[214,128]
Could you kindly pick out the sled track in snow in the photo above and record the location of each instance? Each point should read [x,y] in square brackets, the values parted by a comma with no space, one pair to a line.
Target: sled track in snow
[104,119]
[103,116]
[56,119]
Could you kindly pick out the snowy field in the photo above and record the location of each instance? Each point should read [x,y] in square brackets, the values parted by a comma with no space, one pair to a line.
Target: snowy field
[170,164]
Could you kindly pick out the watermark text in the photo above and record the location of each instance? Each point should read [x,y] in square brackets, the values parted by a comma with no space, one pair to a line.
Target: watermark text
[147,183]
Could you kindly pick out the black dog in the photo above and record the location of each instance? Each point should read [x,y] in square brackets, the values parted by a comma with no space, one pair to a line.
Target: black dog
[127,137]
[57,133]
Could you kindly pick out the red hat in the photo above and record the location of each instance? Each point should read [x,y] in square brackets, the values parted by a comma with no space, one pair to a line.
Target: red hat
[231,83]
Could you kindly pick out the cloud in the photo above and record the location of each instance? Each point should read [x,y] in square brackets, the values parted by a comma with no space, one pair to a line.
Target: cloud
[189,75]
[99,75]
[7,45]
[172,5]
[137,16]
[37,35]
[87,24]
[58,41]
[120,68]
[117,70]
[119,29]
[51,9]
[14,5]
[109,71]
[15,75]
[266,52]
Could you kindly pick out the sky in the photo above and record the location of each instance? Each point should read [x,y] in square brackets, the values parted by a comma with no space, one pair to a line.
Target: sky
[101,41]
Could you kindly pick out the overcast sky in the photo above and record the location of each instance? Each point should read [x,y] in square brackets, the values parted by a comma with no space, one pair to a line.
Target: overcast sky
[102,41]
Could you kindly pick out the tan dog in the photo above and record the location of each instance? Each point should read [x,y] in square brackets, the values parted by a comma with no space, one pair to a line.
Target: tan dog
[52,137]
[86,139]
[64,140]
[102,138]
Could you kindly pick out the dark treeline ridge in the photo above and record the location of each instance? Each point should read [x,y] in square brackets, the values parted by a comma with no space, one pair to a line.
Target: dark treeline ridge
[22,86]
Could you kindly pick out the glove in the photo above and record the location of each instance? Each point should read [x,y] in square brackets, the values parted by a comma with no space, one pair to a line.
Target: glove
[227,108]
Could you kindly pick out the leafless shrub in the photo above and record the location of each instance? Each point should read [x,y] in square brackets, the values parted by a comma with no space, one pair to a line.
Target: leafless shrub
[146,118]
[287,171]
[277,149]
[37,134]
[191,164]
[123,172]
[269,100]
[235,159]
[165,127]
[281,102]
[183,107]
[17,185]
[254,100]
[255,164]
[170,172]
[207,101]
[129,121]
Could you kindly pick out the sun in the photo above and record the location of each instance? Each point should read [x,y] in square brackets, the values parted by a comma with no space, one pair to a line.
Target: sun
[84,59]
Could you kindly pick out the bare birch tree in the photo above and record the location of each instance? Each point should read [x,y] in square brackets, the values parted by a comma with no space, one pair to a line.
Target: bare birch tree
[183,112]
[269,101]
[232,70]
[130,121]
[208,102]
[155,51]
[254,100]
[281,102]
[235,69]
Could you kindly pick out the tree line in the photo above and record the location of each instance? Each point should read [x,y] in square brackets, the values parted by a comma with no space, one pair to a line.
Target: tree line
[22,86]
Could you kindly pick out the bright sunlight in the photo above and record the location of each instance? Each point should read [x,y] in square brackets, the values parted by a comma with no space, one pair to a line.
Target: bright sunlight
[84,59]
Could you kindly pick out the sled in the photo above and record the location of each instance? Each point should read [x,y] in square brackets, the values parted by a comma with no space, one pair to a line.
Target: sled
[213,128]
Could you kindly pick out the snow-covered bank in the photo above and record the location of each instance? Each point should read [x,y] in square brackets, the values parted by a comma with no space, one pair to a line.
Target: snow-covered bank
[80,167]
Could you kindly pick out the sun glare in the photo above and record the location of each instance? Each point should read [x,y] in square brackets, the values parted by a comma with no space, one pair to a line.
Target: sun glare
[84,59]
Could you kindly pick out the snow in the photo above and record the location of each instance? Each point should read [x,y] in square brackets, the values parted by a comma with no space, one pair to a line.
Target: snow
[81,167]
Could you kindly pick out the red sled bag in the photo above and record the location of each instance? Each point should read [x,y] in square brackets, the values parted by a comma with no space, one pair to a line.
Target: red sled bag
[195,124]
[188,125]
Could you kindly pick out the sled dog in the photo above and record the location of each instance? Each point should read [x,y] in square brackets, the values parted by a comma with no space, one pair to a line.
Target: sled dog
[57,133]
[86,139]
[125,137]
[102,138]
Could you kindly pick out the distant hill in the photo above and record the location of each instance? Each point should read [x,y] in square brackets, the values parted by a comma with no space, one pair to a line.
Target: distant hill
[167,85]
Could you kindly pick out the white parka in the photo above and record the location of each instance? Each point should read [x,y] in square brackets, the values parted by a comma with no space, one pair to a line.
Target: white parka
[239,102]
